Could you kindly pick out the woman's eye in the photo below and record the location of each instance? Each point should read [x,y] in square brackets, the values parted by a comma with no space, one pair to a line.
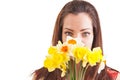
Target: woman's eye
[68,34]
[85,34]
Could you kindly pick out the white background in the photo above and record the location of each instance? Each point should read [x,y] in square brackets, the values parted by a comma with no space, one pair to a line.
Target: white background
[26,28]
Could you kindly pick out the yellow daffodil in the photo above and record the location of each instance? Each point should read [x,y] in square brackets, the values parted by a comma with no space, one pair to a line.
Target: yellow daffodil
[55,61]
[95,56]
[65,48]
[63,55]
[72,41]
[80,53]
[52,50]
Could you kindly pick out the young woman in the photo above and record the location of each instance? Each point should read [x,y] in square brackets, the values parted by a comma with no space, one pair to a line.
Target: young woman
[78,19]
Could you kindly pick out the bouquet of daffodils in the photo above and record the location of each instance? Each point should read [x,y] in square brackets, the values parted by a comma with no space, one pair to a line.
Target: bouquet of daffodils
[73,58]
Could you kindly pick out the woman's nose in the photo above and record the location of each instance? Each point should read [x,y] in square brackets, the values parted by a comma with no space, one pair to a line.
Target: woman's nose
[77,35]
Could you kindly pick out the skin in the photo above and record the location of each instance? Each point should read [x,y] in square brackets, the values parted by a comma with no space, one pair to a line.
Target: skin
[79,25]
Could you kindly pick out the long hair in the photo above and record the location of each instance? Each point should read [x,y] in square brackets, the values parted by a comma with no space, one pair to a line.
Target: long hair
[76,7]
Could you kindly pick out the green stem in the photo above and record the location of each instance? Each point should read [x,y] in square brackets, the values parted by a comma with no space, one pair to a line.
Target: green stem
[80,68]
[70,68]
[84,71]
[74,70]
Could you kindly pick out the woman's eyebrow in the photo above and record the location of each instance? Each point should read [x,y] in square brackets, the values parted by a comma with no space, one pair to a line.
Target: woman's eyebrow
[85,29]
[69,29]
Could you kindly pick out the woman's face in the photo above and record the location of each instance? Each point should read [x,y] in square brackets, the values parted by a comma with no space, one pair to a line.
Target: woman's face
[79,25]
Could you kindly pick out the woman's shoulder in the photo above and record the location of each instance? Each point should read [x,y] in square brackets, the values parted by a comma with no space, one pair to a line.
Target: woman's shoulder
[114,74]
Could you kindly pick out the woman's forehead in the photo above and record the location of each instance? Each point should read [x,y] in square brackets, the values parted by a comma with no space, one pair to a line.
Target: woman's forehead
[82,20]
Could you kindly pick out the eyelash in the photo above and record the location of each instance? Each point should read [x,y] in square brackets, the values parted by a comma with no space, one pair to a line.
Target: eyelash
[67,33]
[85,34]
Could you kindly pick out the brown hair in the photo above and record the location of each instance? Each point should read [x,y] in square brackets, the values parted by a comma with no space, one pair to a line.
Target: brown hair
[75,7]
